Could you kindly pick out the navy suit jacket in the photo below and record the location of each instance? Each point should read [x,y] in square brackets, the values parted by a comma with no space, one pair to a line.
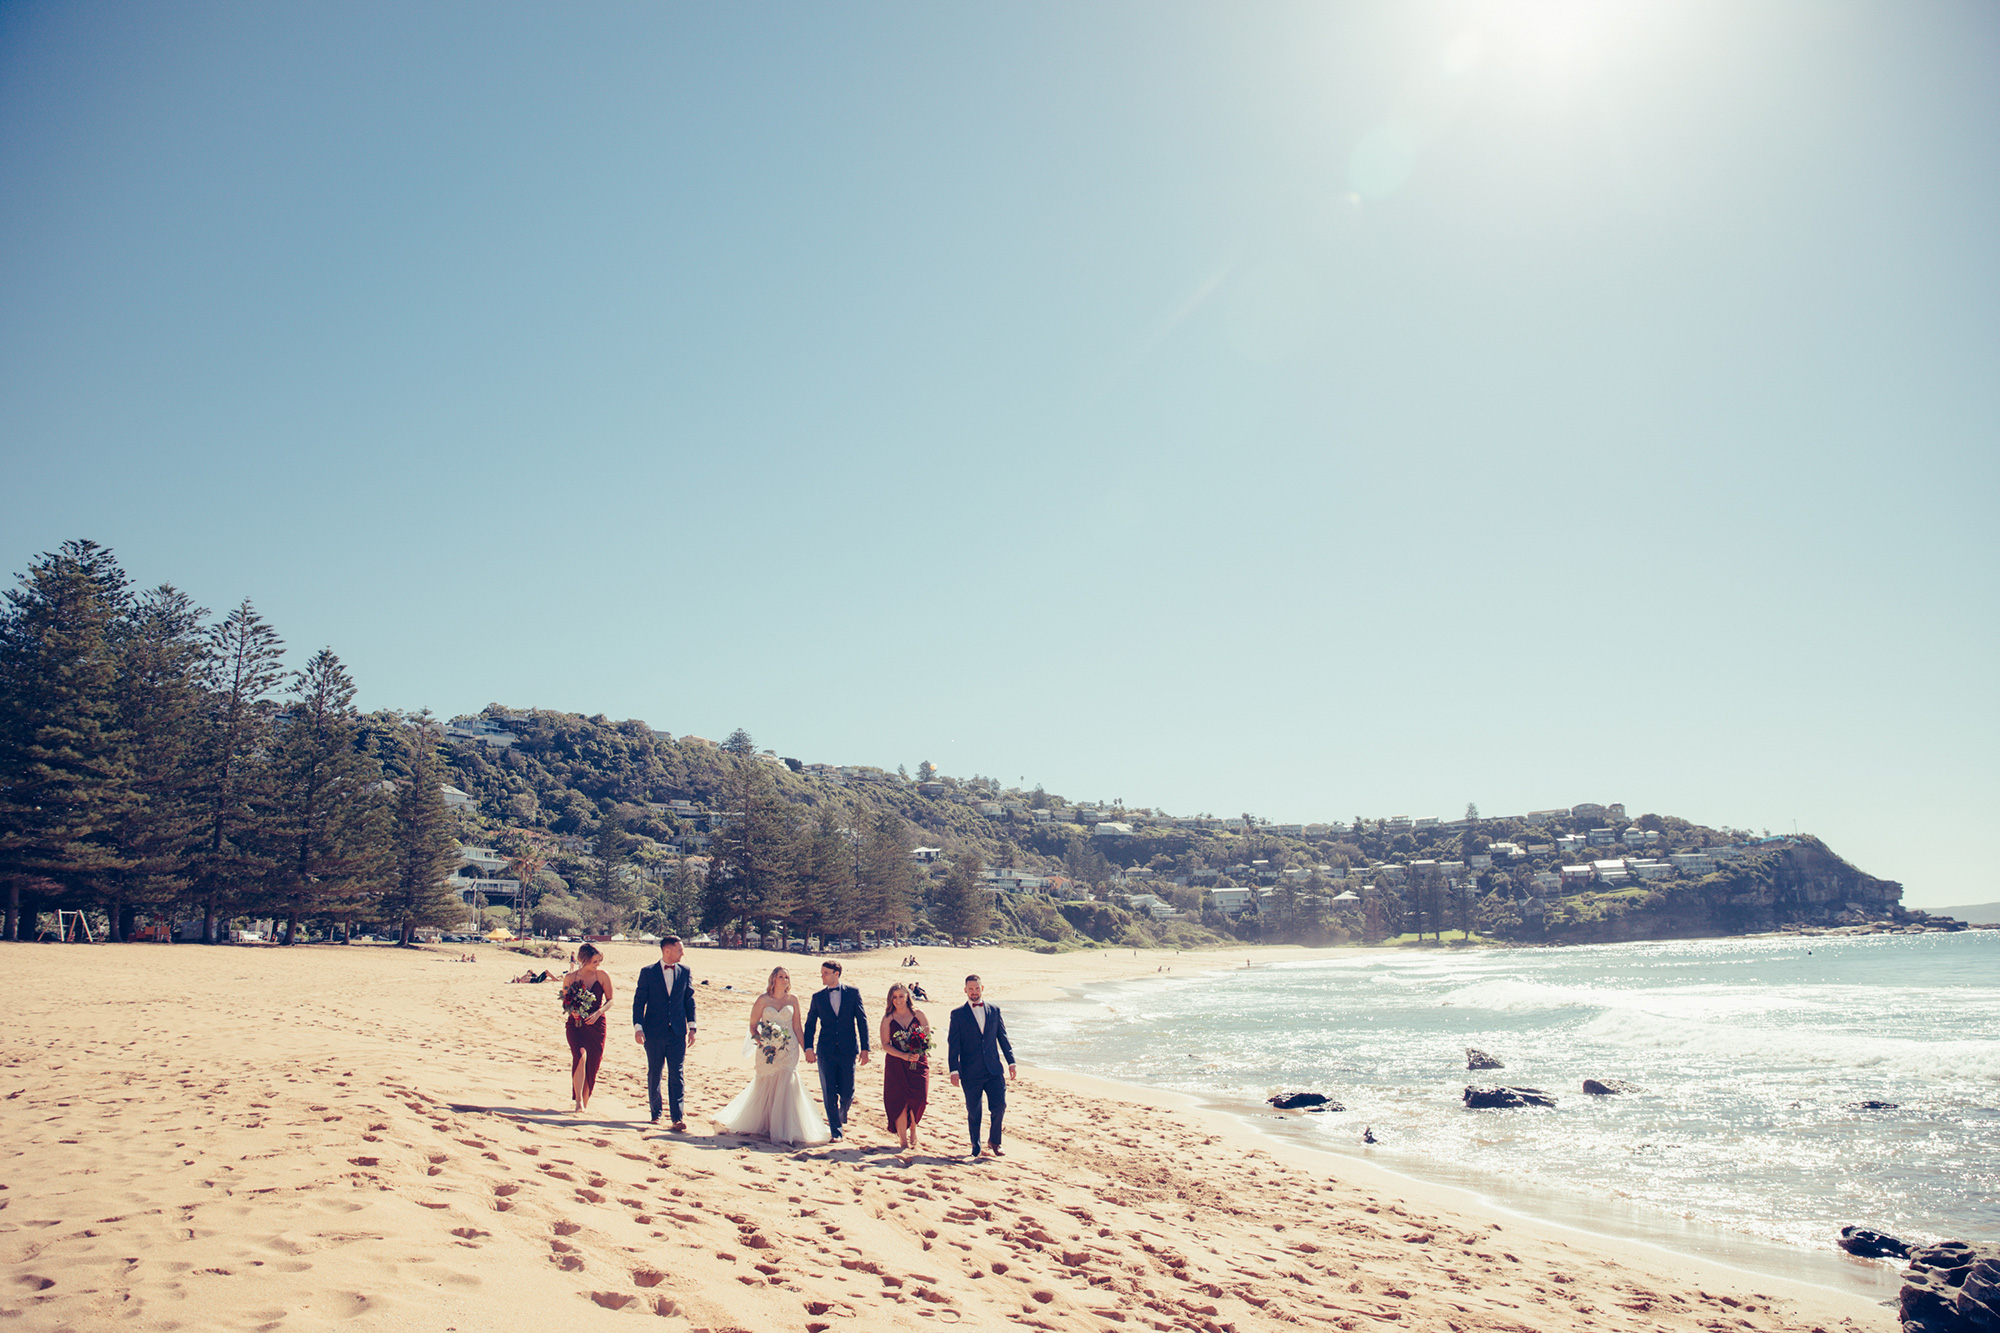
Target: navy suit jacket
[842,1034]
[974,1055]
[661,1014]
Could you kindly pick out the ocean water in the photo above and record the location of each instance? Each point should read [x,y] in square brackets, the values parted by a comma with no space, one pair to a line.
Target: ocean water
[1752,1055]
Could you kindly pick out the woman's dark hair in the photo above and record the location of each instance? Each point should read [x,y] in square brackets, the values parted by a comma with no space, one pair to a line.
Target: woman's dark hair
[588,952]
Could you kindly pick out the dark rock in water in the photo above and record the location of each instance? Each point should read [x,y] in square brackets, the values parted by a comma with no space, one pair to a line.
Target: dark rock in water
[1368,1133]
[1608,1087]
[1952,1287]
[1478,1059]
[1979,1298]
[1305,1101]
[1871,1106]
[1505,1099]
[1872,1244]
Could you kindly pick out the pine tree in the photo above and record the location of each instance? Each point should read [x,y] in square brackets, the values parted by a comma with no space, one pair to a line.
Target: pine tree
[325,843]
[66,781]
[610,864]
[883,877]
[426,851]
[826,878]
[244,662]
[961,909]
[752,873]
[162,663]
[740,745]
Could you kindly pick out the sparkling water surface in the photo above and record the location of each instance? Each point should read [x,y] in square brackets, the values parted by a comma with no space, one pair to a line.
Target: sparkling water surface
[1752,1055]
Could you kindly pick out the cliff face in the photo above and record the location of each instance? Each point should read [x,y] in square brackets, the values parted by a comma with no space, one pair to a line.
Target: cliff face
[1798,883]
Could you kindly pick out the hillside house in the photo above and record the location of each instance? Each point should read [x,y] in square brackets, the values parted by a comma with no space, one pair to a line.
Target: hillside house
[454,799]
[1540,817]
[1602,837]
[924,856]
[1575,877]
[1010,879]
[1111,829]
[484,730]
[1547,882]
[1231,901]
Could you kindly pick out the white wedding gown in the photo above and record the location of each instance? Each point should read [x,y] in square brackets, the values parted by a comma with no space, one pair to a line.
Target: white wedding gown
[775,1104]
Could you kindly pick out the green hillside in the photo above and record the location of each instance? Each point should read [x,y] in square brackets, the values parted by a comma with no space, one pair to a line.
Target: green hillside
[675,808]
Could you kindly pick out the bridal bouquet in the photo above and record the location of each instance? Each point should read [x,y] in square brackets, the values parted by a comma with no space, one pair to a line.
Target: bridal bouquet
[579,1001]
[913,1041]
[772,1038]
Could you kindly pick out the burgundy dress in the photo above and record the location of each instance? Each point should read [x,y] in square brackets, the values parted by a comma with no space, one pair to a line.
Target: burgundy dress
[586,1041]
[905,1086]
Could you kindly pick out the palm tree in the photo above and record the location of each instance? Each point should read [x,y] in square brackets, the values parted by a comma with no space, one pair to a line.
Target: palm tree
[525,865]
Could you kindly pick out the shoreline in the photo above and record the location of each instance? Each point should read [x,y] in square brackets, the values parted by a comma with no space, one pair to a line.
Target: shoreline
[1832,1270]
[327,1138]
[1452,1198]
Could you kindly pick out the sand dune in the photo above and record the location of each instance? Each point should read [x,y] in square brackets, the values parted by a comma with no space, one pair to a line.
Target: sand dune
[371,1138]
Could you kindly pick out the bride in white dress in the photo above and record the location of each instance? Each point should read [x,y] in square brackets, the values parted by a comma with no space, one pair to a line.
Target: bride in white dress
[775,1104]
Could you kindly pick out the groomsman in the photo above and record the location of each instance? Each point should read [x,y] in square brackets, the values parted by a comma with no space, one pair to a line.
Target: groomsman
[663,1023]
[835,1015]
[975,1041]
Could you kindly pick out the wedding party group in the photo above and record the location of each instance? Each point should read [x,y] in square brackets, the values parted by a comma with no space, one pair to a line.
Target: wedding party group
[832,1034]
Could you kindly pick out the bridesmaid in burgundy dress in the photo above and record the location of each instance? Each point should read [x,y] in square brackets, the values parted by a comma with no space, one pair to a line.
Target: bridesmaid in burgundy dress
[585,1031]
[906,1075]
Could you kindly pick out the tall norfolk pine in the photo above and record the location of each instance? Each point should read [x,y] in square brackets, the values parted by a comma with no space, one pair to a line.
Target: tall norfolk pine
[329,844]
[66,781]
[425,849]
[245,665]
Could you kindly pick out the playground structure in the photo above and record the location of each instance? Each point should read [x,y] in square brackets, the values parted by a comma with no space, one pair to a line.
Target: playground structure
[71,927]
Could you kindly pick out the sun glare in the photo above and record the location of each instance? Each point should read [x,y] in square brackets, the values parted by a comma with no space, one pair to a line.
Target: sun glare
[1549,34]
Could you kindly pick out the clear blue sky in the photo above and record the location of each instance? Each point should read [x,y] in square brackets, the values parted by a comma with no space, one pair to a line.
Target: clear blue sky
[1306,409]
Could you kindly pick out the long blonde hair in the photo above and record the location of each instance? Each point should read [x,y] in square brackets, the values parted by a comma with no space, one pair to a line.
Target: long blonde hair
[771,982]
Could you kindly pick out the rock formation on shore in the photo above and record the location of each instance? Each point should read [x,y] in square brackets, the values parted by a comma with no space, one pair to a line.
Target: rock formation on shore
[1952,1287]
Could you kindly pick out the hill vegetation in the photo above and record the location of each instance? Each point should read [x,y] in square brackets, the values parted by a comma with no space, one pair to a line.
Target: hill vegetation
[159,766]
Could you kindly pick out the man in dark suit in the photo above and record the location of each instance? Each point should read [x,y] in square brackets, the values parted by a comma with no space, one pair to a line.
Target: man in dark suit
[975,1041]
[663,1022]
[835,1015]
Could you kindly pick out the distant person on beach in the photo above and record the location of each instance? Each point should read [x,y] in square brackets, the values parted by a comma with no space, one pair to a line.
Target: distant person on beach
[974,1043]
[906,1070]
[663,1023]
[586,996]
[836,1036]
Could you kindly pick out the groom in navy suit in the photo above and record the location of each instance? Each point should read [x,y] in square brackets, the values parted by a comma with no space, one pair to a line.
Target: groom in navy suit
[975,1042]
[835,1015]
[663,1023]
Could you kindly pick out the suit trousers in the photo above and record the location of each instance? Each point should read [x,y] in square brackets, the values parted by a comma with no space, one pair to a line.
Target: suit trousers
[993,1088]
[836,1088]
[662,1049]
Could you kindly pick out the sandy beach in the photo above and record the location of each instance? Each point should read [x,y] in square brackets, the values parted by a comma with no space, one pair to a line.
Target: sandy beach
[376,1138]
